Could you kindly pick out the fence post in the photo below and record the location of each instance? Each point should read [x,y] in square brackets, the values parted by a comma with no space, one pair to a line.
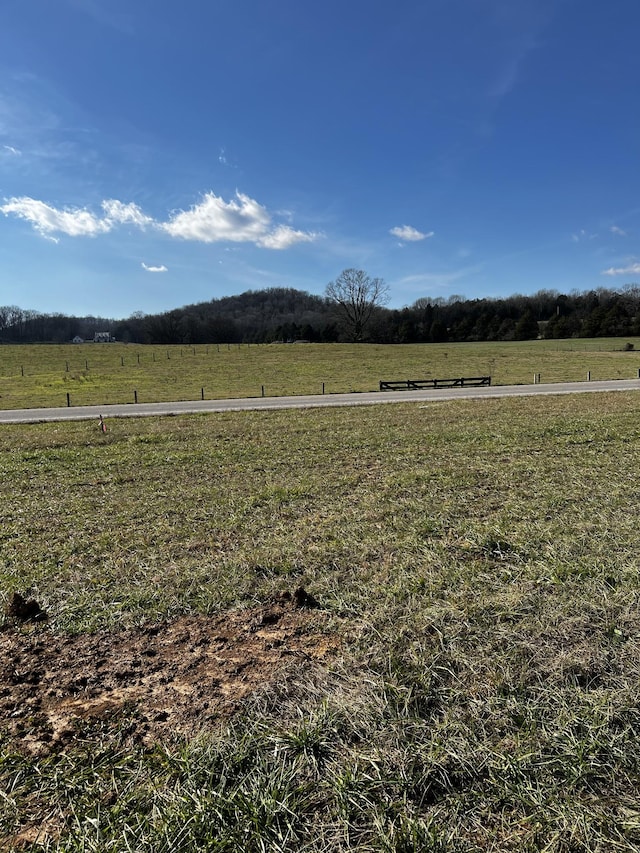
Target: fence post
[323,387]
[202,393]
[263,390]
[135,396]
[68,399]
[588,376]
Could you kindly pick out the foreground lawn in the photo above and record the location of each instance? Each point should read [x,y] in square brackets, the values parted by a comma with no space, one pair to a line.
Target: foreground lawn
[476,568]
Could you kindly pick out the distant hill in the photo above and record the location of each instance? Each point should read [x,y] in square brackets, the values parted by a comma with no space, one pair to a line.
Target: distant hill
[287,314]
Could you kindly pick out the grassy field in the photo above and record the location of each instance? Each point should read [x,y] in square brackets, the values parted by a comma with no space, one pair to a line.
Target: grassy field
[35,376]
[478,562]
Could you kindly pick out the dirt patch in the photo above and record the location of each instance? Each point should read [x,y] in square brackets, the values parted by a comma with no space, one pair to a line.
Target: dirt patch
[24,610]
[173,678]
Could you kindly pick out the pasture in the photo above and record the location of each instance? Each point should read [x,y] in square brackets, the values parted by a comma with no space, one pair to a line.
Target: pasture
[469,680]
[99,374]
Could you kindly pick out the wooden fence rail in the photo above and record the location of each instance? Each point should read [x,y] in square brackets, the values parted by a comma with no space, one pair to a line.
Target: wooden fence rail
[418,384]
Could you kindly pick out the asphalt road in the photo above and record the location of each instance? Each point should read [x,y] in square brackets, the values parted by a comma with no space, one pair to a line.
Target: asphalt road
[142,410]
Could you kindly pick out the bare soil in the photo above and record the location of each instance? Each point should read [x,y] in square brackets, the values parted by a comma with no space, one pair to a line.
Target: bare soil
[174,678]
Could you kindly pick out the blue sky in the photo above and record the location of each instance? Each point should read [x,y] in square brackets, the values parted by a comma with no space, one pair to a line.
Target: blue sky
[155,154]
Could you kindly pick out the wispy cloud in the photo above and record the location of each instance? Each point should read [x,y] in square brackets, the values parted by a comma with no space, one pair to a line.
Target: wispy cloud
[616,230]
[630,269]
[15,151]
[213,220]
[161,268]
[103,14]
[437,280]
[410,234]
[582,235]
[226,159]
[517,29]
[508,75]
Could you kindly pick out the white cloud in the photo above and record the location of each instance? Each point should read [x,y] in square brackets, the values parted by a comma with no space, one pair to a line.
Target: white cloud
[119,213]
[74,222]
[616,230]
[161,268]
[47,220]
[241,220]
[282,237]
[631,269]
[410,234]
[213,220]
[15,151]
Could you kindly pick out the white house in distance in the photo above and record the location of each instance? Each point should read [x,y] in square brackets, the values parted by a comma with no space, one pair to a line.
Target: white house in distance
[102,338]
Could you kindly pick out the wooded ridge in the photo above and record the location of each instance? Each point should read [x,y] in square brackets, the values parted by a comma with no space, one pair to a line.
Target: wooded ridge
[287,314]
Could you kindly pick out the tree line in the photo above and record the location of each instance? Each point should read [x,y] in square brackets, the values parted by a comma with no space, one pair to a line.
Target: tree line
[287,314]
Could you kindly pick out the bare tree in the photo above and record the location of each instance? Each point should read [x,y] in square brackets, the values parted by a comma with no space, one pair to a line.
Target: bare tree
[357,295]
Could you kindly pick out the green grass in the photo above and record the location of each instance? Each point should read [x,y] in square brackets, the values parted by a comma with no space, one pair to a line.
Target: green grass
[99,374]
[480,560]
